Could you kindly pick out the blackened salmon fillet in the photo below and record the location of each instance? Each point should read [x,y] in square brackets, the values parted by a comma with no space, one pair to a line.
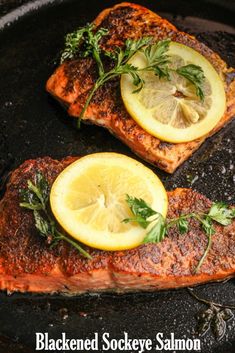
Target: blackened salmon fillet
[28,264]
[72,81]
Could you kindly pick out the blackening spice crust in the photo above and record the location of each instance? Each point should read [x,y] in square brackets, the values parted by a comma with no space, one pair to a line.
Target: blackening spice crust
[71,83]
[29,264]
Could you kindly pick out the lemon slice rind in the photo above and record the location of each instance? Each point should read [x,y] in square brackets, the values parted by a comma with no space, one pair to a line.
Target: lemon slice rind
[89,219]
[144,117]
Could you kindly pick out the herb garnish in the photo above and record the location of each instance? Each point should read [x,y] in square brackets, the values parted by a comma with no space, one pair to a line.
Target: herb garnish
[195,75]
[86,42]
[144,215]
[36,198]
[215,316]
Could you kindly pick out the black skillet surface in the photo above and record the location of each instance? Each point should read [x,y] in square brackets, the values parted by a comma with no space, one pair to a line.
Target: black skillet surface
[33,124]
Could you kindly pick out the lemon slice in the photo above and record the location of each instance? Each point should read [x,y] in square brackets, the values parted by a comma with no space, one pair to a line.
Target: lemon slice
[170,109]
[88,199]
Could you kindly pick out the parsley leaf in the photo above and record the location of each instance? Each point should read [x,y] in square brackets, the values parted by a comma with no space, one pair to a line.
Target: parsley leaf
[140,210]
[158,232]
[195,75]
[220,213]
[145,216]
[133,45]
[72,42]
[207,225]
[35,198]
[182,225]
[86,42]
[41,224]
[139,207]
[157,58]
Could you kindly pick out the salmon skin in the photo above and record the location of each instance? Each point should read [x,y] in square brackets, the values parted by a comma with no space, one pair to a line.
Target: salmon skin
[72,81]
[28,264]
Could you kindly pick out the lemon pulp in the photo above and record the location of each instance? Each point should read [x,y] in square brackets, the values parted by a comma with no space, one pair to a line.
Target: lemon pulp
[170,109]
[88,199]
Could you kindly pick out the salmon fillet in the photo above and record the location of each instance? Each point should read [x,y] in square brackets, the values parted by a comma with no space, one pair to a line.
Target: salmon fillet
[28,264]
[72,81]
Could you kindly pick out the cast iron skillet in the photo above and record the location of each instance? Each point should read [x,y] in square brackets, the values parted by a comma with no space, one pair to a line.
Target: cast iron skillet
[32,124]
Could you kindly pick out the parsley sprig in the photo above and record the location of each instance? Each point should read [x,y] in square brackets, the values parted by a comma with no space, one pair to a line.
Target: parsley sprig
[195,75]
[145,216]
[86,42]
[36,198]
